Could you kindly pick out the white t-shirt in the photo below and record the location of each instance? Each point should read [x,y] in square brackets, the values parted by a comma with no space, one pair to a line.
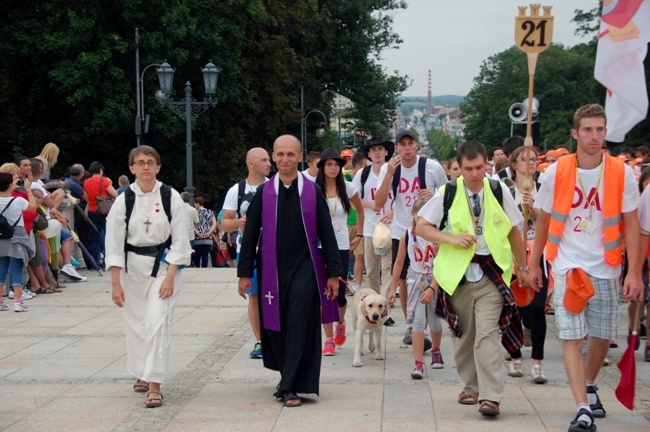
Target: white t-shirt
[577,247]
[433,211]
[644,210]
[340,217]
[407,192]
[231,203]
[309,176]
[371,218]
[15,210]
[421,254]
[38,185]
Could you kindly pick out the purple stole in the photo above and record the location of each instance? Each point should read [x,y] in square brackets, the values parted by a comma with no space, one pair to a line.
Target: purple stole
[269,294]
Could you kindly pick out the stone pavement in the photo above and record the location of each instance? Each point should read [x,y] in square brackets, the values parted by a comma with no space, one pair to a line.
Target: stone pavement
[62,368]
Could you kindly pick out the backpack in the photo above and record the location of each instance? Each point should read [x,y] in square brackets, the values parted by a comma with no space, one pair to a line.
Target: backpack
[6,230]
[422,169]
[364,178]
[240,196]
[129,200]
[450,193]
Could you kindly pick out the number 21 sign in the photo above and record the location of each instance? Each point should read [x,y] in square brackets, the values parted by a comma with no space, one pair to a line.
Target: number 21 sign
[534,33]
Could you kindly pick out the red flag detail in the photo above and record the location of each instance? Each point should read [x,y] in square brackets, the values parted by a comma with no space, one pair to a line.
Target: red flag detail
[627,366]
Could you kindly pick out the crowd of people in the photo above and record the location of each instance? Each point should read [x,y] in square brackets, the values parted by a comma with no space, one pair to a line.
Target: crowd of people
[489,246]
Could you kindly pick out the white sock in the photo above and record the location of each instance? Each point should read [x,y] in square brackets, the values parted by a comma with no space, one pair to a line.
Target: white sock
[585,418]
[592,398]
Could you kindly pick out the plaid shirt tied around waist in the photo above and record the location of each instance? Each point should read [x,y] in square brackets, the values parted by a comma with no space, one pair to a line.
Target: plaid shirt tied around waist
[512,337]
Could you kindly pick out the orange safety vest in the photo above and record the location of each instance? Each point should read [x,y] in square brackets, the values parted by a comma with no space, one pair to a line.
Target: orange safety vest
[565,181]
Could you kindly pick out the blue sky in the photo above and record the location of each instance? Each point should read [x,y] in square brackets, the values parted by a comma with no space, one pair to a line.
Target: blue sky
[453,37]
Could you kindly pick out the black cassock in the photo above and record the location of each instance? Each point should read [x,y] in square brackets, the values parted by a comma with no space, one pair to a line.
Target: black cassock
[295,351]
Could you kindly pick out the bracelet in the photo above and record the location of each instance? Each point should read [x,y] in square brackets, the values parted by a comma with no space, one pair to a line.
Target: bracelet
[522,268]
[432,288]
[359,235]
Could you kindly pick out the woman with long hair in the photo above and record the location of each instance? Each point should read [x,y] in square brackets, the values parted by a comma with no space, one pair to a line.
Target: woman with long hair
[533,316]
[341,197]
[48,156]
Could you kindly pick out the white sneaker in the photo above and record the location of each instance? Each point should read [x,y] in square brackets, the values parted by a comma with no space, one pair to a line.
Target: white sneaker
[12,295]
[3,306]
[514,369]
[538,375]
[29,292]
[20,306]
[70,272]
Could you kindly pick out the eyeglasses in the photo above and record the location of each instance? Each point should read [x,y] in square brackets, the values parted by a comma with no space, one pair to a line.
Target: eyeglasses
[476,205]
[533,160]
[142,163]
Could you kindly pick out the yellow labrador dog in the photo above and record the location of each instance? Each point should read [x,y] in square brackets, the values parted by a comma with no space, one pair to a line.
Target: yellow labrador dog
[369,310]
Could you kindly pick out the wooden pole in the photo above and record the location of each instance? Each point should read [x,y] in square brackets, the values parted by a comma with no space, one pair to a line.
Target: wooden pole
[533,35]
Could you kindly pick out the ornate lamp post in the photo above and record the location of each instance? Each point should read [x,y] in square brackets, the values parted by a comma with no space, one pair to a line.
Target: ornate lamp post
[188,107]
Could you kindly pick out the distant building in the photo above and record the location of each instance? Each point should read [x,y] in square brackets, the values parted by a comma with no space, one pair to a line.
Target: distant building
[341,103]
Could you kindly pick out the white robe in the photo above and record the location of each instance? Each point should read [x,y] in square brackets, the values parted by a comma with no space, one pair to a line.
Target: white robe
[146,317]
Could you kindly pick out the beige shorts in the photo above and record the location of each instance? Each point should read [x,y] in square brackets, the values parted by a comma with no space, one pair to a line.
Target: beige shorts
[352,231]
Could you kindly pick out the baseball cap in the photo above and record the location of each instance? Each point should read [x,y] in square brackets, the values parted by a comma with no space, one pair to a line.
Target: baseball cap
[404,132]
[579,290]
[382,239]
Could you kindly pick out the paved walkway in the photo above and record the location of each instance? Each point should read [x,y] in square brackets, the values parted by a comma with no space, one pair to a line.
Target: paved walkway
[62,367]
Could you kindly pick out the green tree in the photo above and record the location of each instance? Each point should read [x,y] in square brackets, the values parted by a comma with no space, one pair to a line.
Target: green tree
[563,81]
[67,76]
[442,144]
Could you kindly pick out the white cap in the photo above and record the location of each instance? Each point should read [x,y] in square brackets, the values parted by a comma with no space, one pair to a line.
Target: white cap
[382,239]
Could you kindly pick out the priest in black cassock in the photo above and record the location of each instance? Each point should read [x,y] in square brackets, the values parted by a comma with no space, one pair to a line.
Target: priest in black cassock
[298,265]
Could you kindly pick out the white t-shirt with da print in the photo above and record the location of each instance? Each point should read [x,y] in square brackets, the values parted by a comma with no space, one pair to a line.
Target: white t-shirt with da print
[577,247]
[230,203]
[407,192]
[371,218]
[340,217]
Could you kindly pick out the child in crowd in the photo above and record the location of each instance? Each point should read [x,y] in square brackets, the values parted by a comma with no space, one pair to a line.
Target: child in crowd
[422,289]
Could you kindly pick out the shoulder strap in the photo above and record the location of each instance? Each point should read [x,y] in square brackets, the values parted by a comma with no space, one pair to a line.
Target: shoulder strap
[129,201]
[422,172]
[166,195]
[7,206]
[497,191]
[450,193]
[240,195]
[364,178]
[503,173]
[396,178]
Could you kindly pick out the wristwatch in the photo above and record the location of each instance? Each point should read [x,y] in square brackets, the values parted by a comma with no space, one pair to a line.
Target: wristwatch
[522,268]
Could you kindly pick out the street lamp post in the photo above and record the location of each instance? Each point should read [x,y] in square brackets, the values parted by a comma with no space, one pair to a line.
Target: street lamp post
[320,132]
[188,107]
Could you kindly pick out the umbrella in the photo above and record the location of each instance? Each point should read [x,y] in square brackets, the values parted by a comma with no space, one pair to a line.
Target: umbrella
[627,365]
[90,261]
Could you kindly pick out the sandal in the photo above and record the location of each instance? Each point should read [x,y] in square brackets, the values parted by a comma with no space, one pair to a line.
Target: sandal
[44,290]
[489,408]
[288,401]
[140,386]
[467,398]
[154,402]
[549,309]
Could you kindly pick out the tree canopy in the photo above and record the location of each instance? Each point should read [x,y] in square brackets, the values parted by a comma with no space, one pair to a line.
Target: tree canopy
[67,75]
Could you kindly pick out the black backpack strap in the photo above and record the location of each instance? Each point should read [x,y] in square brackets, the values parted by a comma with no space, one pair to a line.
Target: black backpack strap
[129,200]
[422,172]
[395,184]
[240,195]
[503,174]
[7,206]
[450,193]
[166,195]
[364,178]
[497,190]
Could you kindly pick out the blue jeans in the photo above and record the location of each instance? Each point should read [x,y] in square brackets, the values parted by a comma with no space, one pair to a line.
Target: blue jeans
[15,268]
[97,238]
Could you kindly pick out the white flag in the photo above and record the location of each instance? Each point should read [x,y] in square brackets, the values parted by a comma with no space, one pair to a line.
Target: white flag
[622,46]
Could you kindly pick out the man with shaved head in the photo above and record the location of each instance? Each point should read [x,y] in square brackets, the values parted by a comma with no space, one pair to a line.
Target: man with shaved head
[234,218]
[298,281]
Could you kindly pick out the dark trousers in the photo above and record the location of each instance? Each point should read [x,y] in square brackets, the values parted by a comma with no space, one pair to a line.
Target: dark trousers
[202,255]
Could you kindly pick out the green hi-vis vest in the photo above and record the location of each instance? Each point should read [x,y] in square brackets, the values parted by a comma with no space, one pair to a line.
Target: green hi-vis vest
[452,261]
